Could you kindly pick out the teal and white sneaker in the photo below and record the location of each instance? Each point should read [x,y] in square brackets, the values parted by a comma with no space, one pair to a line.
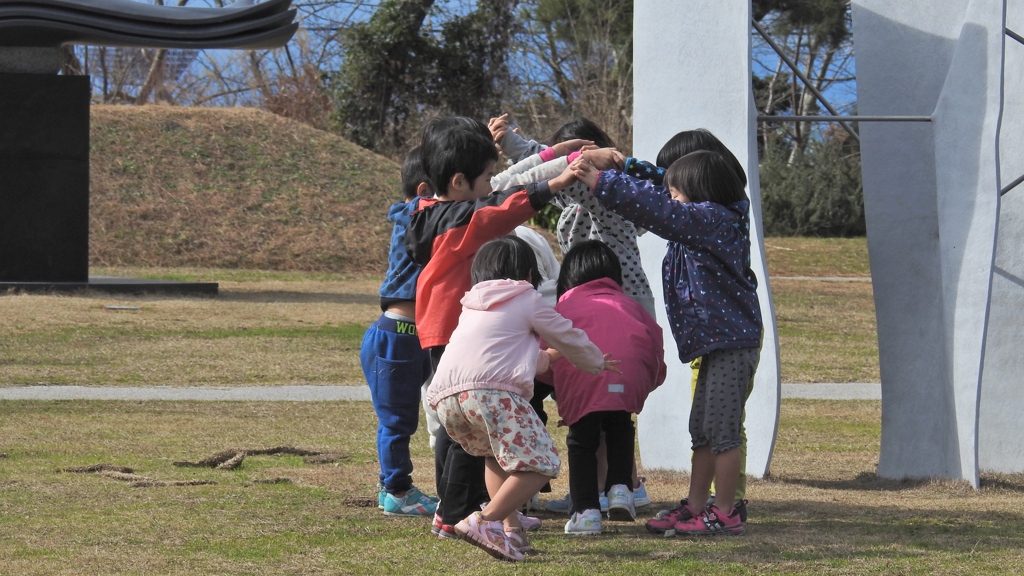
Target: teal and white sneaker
[587,523]
[640,497]
[380,496]
[414,503]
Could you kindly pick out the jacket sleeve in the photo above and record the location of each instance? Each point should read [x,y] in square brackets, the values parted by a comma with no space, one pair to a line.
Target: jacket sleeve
[464,226]
[529,171]
[518,148]
[644,171]
[651,207]
[557,332]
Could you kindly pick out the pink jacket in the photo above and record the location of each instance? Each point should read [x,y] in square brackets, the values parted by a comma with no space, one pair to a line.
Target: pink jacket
[617,324]
[496,347]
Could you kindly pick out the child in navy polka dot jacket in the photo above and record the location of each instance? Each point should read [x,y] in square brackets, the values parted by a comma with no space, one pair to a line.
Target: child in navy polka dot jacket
[712,305]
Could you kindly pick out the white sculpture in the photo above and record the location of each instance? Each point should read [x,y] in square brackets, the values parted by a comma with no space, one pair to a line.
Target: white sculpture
[945,229]
[692,70]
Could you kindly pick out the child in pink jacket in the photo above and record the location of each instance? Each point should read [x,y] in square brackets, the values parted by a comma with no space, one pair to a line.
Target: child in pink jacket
[484,381]
[590,295]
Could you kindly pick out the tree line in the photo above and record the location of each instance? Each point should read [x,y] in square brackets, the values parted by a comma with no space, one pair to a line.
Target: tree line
[374,71]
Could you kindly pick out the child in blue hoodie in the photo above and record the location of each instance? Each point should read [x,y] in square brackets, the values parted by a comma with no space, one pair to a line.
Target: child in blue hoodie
[394,363]
[712,305]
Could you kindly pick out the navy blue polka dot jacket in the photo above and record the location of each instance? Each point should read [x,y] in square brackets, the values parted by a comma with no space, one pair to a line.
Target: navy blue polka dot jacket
[710,290]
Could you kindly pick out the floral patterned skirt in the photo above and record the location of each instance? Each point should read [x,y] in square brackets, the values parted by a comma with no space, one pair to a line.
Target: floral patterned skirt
[501,425]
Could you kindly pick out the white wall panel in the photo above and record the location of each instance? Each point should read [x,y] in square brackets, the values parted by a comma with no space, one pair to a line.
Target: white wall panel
[692,70]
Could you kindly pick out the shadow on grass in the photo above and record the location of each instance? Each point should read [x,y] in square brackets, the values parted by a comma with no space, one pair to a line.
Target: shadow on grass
[285,296]
[871,481]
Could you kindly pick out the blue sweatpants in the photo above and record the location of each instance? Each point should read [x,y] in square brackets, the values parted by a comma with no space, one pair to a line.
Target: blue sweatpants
[395,368]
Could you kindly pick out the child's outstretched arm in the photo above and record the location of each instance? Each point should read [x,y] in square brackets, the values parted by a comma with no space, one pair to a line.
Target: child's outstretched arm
[651,207]
[644,171]
[510,142]
[539,167]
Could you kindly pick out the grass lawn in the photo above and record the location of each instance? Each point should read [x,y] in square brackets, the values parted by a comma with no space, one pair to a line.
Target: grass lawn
[822,511]
[286,328]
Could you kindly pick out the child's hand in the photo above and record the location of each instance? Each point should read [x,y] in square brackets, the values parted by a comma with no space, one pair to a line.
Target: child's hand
[570,146]
[563,180]
[498,127]
[606,158]
[554,354]
[585,172]
[610,365]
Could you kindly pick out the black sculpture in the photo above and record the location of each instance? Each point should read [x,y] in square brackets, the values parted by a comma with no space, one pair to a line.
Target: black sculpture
[44,119]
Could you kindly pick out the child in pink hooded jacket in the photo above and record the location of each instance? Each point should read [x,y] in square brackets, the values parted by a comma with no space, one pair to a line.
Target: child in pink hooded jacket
[484,381]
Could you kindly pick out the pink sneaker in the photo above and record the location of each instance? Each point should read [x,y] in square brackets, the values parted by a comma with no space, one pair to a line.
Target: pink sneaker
[529,522]
[667,521]
[518,538]
[712,522]
[488,536]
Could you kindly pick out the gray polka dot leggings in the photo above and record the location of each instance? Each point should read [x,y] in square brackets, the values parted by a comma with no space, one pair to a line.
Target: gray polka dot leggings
[716,417]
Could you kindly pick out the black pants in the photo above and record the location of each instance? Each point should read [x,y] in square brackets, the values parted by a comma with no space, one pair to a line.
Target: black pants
[459,477]
[583,440]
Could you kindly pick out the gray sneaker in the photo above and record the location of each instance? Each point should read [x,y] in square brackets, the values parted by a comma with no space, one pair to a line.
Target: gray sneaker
[620,504]
[560,506]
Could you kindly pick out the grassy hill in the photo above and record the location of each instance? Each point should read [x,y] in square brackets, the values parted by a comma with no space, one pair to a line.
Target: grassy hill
[234,188]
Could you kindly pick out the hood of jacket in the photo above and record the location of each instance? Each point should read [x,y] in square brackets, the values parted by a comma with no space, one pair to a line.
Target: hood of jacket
[599,286]
[491,292]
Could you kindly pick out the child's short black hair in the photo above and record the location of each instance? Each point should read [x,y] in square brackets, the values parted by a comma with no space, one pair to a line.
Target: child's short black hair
[458,151]
[505,257]
[586,262]
[693,140]
[706,176]
[413,174]
[583,129]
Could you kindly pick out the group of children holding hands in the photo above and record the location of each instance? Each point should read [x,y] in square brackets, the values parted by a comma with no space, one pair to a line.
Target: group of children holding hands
[467,310]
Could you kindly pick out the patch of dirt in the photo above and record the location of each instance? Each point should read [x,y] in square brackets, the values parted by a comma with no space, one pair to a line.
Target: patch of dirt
[231,459]
[278,480]
[360,502]
[147,482]
[97,468]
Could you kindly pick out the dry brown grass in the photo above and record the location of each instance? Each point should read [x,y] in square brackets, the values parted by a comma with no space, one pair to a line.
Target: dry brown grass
[254,333]
[823,510]
[234,188]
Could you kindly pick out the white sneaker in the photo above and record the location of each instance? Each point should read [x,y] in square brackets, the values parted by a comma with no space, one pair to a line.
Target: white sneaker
[620,504]
[587,522]
[562,505]
[640,497]
[532,504]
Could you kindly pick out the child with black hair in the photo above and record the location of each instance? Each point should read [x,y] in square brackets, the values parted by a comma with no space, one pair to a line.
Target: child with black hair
[443,237]
[484,381]
[713,308]
[590,295]
[678,146]
[394,363]
[582,217]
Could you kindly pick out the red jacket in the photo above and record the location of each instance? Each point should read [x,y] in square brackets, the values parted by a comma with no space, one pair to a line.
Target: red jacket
[618,325]
[443,237]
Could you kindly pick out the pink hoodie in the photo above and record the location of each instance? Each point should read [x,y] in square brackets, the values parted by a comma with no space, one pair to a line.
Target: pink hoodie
[496,347]
[619,325]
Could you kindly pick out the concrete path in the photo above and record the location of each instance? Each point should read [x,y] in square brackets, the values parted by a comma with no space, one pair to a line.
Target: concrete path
[335,393]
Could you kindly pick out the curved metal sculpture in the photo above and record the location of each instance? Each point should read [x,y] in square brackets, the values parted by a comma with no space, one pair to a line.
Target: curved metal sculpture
[51,23]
